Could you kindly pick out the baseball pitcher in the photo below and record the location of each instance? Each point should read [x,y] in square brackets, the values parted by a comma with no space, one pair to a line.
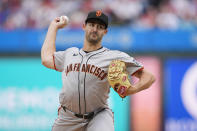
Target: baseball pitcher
[87,75]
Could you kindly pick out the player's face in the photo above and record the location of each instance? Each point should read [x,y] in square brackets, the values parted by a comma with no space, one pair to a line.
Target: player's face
[94,32]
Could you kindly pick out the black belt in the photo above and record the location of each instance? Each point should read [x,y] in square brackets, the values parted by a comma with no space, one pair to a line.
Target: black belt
[86,115]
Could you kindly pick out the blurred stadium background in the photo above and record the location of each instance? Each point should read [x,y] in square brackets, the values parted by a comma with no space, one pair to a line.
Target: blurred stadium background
[161,34]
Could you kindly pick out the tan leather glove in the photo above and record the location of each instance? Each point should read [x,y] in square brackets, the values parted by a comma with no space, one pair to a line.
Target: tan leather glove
[118,77]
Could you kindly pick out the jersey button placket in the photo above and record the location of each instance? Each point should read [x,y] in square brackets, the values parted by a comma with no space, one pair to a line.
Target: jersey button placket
[81,83]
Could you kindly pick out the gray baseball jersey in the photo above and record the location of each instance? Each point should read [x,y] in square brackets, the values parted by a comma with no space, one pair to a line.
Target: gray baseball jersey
[84,77]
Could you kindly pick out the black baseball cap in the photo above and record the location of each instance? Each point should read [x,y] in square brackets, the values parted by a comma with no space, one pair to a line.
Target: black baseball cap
[97,15]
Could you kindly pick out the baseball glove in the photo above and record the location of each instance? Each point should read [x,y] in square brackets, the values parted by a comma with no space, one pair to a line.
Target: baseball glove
[118,77]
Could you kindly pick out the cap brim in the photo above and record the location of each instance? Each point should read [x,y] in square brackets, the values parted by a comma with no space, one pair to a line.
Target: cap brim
[96,20]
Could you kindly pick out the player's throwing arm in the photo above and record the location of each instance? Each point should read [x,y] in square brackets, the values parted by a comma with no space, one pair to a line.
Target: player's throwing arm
[48,47]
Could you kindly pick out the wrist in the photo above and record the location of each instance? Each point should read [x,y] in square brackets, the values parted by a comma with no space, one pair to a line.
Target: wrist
[53,27]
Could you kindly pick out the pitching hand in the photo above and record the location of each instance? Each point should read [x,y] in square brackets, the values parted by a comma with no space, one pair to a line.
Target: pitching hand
[59,22]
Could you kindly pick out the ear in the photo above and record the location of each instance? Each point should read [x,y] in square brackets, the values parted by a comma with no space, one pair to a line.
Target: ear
[83,27]
[106,31]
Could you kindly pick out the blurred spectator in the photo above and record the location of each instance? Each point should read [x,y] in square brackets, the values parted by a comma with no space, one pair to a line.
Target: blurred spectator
[147,19]
[166,17]
[186,11]
[37,14]
[126,10]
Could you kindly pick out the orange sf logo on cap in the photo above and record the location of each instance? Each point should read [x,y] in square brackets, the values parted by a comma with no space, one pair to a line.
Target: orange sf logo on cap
[98,13]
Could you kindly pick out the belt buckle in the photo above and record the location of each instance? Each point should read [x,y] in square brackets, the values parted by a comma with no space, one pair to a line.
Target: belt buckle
[89,115]
[85,116]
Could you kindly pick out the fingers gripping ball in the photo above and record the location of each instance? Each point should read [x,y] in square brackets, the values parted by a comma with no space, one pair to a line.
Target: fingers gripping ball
[118,77]
[64,19]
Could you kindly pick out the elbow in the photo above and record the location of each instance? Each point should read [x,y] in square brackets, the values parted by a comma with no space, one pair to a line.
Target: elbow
[47,64]
[44,63]
[43,59]
[47,60]
[151,81]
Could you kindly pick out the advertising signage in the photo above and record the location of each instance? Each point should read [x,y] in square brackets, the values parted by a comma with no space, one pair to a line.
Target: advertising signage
[180,96]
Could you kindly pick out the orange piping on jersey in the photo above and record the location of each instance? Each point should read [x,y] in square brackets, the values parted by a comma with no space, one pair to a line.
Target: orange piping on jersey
[67,70]
[137,71]
[58,111]
[54,63]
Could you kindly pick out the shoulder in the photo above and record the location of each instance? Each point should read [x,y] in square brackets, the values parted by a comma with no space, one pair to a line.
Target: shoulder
[116,53]
[71,49]
[67,51]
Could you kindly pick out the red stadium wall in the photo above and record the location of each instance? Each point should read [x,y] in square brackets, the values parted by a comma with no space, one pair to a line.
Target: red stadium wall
[145,106]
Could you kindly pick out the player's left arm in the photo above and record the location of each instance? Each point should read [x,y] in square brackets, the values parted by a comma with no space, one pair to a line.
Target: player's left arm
[146,79]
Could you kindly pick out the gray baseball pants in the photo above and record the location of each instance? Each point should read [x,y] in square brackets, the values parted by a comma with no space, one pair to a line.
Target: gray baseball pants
[67,121]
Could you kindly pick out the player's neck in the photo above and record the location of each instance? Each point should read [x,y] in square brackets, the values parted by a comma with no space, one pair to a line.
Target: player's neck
[90,47]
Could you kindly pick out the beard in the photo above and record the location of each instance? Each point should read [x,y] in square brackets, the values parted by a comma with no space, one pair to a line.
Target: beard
[93,38]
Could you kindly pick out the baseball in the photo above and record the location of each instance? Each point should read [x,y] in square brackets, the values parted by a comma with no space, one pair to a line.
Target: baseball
[65,17]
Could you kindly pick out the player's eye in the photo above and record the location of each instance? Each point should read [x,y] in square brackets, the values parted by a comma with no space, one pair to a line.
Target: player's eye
[101,27]
[91,24]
